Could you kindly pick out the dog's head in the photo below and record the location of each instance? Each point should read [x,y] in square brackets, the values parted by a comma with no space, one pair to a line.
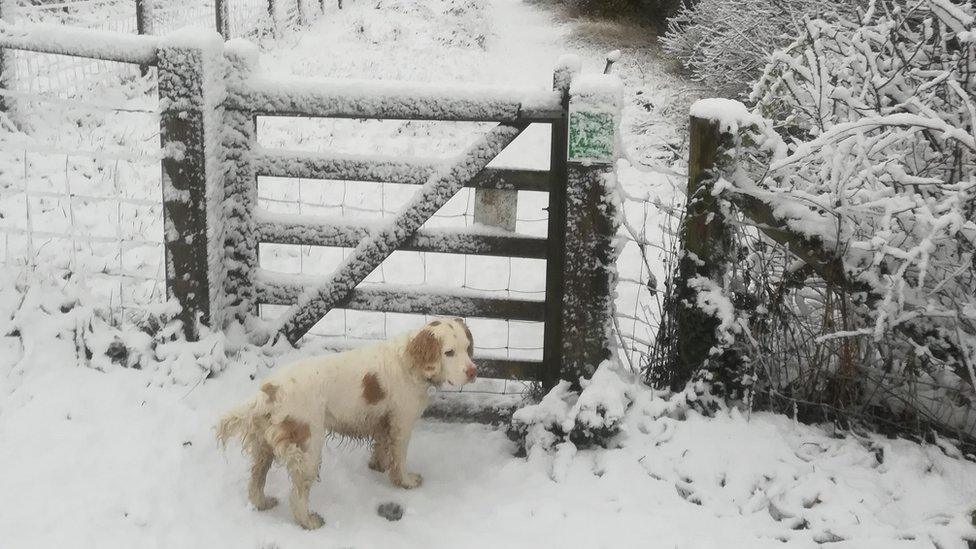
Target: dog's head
[441,352]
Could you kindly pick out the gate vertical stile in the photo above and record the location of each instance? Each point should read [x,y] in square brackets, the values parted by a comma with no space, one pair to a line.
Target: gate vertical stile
[566,68]
[241,187]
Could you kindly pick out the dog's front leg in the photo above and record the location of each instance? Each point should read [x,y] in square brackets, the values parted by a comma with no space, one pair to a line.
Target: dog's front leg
[399,440]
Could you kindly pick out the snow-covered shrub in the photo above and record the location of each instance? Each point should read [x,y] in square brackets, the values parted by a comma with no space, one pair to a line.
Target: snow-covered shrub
[588,418]
[40,311]
[612,405]
[726,43]
[869,155]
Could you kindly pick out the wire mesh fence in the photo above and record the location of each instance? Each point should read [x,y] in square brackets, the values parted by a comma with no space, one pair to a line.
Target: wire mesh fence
[79,194]
[64,76]
[79,151]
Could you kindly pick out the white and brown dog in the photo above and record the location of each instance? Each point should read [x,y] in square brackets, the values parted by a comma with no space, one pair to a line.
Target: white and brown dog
[375,392]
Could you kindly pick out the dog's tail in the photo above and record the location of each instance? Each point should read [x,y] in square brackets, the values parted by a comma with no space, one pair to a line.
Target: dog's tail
[243,421]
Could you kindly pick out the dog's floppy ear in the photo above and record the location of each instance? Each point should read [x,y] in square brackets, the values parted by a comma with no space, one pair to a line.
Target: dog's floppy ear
[424,352]
[467,332]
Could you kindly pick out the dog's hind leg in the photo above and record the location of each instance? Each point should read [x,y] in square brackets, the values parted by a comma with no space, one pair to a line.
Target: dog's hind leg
[303,467]
[261,457]
[301,451]
[382,446]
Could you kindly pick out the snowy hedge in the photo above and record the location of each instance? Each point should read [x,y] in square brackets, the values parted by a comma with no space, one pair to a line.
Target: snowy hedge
[726,43]
[868,151]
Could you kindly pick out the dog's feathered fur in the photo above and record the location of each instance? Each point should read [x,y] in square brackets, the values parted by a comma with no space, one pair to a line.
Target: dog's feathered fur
[375,392]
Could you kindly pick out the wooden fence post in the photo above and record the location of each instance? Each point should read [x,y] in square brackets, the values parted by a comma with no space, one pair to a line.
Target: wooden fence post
[240,245]
[6,60]
[273,16]
[222,19]
[566,67]
[704,245]
[189,122]
[144,24]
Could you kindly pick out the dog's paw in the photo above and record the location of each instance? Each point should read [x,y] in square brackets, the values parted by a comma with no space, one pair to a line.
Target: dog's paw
[377,465]
[313,521]
[410,480]
[265,503]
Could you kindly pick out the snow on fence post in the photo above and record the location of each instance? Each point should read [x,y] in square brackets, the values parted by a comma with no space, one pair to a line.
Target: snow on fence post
[222,19]
[190,72]
[566,67]
[144,24]
[236,293]
[704,247]
[592,221]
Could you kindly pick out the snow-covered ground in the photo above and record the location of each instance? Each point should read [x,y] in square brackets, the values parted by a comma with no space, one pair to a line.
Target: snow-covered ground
[109,458]
[96,452]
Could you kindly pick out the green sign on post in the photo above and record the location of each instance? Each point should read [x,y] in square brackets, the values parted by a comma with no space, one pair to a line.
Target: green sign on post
[591,136]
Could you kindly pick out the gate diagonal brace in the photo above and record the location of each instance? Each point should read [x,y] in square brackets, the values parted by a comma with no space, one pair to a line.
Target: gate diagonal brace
[442,185]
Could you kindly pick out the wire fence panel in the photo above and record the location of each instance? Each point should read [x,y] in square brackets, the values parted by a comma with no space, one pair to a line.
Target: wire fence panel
[79,195]
[65,76]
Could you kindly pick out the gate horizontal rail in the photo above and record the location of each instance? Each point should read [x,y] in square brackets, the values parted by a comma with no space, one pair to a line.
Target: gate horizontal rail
[309,230]
[489,366]
[386,169]
[275,288]
[391,100]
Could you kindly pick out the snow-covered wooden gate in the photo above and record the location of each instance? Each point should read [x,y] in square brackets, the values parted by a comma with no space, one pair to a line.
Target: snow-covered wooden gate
[210,98]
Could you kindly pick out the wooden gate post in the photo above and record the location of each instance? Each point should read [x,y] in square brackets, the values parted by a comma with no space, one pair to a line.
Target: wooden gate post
[237,299]
[704,245]
[189,120]
[592,221]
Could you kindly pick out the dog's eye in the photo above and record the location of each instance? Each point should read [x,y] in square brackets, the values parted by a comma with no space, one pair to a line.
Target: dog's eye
[449,353]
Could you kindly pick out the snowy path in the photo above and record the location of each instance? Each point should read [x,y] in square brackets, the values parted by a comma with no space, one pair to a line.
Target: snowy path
[126,458]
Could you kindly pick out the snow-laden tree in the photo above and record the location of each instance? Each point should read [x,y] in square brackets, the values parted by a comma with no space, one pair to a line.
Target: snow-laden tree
[867,152]
[726,43]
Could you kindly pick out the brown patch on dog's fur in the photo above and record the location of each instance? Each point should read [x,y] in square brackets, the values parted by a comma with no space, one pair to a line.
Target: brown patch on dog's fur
[424,348]
[372,390]
[435,323]
[467,332]
[271,390]
[292,431]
